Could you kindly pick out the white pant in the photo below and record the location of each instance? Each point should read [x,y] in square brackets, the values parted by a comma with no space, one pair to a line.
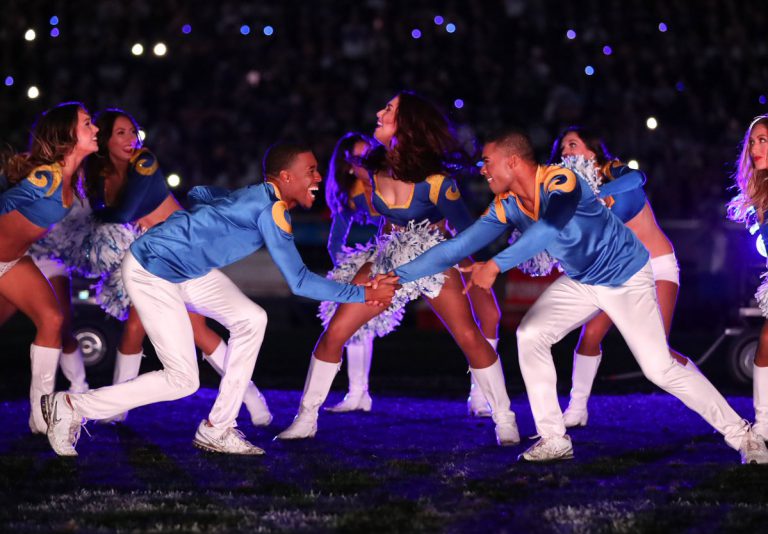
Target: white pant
[162,308]
[567,304]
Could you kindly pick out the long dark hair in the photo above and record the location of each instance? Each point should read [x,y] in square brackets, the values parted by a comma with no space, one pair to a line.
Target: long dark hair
[100,163]
[591,140]
[340,177]
[425,143]
[53,137]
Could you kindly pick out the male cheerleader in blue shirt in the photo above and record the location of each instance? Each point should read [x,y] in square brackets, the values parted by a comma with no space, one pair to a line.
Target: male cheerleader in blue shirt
[173,268]
[606,269]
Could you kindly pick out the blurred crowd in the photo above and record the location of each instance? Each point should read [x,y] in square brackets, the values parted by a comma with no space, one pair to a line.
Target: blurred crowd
[226,89]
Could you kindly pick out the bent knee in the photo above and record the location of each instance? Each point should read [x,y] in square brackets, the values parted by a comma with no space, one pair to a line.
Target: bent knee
[183,384]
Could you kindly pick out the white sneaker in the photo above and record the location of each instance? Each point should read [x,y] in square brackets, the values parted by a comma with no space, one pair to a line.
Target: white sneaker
[574,417]
[63,423]
[227,441]
[549,450]
[304,426]
[752,449]
[353,401]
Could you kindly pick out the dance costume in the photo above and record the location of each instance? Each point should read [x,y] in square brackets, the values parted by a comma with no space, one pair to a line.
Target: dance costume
[607,269]
[173,267]
[39,199]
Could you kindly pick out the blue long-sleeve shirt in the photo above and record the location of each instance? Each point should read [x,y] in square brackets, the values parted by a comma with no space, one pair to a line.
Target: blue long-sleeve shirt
[38,197]
[222,228]
[591,244]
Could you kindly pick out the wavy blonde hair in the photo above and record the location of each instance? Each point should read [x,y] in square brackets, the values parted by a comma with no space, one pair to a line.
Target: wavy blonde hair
[752,201]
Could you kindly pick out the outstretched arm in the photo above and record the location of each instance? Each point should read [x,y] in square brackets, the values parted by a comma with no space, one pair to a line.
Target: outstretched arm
[442,256]
[205,194]
[274,225]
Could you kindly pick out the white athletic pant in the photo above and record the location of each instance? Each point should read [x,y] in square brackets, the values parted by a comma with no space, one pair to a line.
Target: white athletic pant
[567,304]
[162,307]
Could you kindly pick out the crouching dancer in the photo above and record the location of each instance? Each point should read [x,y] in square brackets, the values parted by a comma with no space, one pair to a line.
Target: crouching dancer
[606,269]
[173,267]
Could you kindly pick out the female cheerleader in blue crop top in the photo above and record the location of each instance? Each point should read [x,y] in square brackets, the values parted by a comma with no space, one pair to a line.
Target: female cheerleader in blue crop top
[631,206]
[45,188]
[129,195]
[413,194]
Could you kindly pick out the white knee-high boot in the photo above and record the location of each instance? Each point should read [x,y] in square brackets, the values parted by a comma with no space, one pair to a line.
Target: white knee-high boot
[477,404]
[71,364]
[319,379]
[359,357]
[254,401]
[44,362]
[491,382]
[584,372]
[126,368]
[760,399]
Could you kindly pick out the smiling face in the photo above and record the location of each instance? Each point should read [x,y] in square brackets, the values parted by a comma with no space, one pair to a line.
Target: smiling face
[86,134]
[573,145]
[496,168]
[300,181]
[386,122]
[123,141]
[758,146]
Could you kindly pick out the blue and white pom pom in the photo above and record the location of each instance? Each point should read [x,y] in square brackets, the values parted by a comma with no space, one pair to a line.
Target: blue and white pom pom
[66,241]
[111,294]
[388,252]
[540,265]
[350,260]
[587,169]
[761,295]
[108,244]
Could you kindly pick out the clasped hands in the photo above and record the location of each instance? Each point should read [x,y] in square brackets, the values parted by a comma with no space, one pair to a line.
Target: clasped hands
[380,289]
[482,275]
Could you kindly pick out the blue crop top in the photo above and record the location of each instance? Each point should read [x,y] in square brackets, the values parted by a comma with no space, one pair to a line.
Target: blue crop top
[145,189]
[624,194]
[38,197]
[434,199]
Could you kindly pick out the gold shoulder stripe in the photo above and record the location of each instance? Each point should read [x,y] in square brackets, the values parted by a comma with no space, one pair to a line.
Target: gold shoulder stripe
[279,210]
[559,179]
[499,207]
[145,162]
[43,175]
[435,182]
[452,193]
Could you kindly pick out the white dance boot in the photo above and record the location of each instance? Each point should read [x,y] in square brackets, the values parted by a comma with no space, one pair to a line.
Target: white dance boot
[126,368]
[477,404]
[319,379]
[584,372]
[71,364]
[760,399]
[491,382]
[44,362]
[254,401]
[359,357]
